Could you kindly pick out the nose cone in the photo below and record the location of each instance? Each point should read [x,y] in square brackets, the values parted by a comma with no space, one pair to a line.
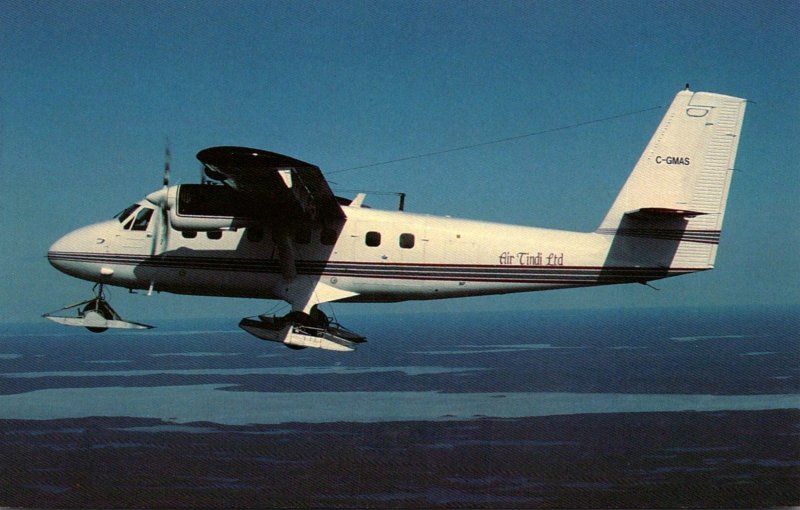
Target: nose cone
[71,252]
[64,244]
[63,251]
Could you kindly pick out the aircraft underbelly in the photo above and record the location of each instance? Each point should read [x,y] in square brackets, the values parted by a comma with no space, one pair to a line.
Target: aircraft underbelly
[263,284]
[384,290]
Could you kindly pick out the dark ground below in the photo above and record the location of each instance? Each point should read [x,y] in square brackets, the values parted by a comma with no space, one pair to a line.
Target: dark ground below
[687,460]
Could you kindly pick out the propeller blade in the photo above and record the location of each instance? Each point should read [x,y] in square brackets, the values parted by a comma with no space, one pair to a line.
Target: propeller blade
[160,240]
[165,206]
[167,158]
[165,226]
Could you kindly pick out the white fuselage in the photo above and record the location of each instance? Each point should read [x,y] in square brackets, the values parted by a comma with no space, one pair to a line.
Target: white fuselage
[272,228]
[376,256]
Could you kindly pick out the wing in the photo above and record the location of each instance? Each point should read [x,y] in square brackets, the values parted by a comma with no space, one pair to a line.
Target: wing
[284,188]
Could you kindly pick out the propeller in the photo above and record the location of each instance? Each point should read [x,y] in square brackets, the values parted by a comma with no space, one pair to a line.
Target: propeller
[160,241]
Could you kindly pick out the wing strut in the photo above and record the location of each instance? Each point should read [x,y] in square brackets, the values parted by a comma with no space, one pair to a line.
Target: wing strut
[283,241]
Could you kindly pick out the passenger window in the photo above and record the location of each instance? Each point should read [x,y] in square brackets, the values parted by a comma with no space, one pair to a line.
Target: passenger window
[327,236]
[142,219]
[214,234]
[189,234]
[406,241]
[373,239]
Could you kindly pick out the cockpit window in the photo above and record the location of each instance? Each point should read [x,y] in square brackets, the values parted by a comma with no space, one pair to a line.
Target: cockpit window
[123,214]
[142,219]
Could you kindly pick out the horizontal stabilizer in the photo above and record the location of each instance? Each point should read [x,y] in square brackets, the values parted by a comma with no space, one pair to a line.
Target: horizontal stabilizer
[656,213]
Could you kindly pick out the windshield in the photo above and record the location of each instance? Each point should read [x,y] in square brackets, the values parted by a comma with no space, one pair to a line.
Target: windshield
[142,219]
[125,213]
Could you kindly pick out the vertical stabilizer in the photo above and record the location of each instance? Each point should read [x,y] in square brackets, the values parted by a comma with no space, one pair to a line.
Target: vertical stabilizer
[674,200]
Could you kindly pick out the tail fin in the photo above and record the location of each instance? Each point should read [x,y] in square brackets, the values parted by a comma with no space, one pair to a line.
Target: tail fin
[672,205]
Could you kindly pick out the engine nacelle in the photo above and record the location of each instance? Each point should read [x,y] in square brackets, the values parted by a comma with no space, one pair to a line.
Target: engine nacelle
[206,223]
[203,207]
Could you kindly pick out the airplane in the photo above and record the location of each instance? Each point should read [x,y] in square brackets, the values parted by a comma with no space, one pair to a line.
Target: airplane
[268,226]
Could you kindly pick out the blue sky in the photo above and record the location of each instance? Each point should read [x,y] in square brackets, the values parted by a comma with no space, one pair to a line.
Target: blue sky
[89,91]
